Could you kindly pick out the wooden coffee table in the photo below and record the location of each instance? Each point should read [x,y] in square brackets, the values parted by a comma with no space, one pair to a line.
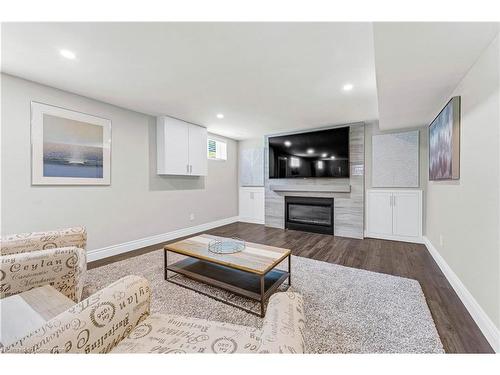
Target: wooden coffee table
[23,313]
[251,273]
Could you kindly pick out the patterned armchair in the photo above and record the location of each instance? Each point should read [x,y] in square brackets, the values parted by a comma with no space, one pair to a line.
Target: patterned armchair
[30,260]
[116,319]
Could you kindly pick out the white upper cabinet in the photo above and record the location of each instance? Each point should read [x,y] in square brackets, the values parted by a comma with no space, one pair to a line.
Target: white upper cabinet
[181,147]
[172,143]
[197,150]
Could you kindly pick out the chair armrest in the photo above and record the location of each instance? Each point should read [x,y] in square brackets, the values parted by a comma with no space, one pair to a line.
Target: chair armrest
[27,242]
[95,325]
[284,323]
[63,268]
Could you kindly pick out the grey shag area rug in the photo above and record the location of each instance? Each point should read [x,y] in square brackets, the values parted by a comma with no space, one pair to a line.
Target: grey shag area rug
[347,310]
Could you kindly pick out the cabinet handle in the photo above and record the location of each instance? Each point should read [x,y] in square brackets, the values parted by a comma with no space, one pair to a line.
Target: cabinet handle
[187,168]
[190,169]
[394,201]
[390,201]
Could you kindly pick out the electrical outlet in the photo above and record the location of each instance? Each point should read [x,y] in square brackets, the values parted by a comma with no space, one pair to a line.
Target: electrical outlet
[191,217]
[441,241]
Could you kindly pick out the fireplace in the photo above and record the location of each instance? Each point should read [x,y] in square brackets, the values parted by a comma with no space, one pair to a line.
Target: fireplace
[309,214]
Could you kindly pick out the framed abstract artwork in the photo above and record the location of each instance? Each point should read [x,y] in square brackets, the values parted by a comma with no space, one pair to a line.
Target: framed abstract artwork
[444,143]
[68,147]
[252,166]
[395,159]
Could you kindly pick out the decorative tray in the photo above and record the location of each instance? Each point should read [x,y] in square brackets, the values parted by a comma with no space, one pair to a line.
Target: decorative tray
[226,246]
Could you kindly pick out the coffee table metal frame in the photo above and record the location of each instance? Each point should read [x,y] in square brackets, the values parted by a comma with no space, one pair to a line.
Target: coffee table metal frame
[274,282]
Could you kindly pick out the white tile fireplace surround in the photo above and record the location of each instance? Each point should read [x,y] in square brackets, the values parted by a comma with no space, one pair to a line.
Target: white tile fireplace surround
[348,193]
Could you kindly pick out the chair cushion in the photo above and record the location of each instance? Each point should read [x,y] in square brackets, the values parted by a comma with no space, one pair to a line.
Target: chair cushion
[161,333]
[94,325]
[27,242]
[61,268]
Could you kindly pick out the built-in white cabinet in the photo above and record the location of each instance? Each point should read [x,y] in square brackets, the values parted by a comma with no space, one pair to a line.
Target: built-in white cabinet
[181,147]
[251,204]
[394,215]
[197,150]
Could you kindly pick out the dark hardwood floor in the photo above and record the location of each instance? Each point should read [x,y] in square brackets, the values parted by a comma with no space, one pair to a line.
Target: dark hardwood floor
[458,331]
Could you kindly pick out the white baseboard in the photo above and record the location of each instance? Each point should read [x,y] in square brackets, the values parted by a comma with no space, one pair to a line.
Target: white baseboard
[108,251]
[251,220]
[394,238]
[485,324]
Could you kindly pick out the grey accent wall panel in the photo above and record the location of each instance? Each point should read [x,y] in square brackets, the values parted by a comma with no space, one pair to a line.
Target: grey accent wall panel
[348,206]
[395,158]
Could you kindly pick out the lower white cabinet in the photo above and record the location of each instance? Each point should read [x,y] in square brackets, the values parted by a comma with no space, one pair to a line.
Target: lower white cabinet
[251,204]
[394,215]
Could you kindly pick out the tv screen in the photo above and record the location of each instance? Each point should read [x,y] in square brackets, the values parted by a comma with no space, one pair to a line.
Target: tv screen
[323,153]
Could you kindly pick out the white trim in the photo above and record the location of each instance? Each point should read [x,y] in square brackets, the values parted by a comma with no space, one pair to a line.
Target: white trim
[394,190]
[251,220]
[392,237]
[108,251]
[485,324]
[257,189]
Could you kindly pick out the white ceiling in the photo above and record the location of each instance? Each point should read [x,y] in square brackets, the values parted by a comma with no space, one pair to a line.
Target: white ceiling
[264,77]
[418,65]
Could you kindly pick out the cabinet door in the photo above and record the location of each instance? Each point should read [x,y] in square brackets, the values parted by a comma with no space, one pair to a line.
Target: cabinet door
[251,206]
[245,209]
[379,213]
[198,150]
[407,215]
[172,147]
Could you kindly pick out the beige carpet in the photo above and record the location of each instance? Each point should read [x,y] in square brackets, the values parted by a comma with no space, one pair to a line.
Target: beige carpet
[347,310]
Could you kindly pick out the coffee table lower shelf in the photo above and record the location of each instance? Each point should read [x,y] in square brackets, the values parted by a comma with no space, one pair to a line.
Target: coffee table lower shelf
[253,286]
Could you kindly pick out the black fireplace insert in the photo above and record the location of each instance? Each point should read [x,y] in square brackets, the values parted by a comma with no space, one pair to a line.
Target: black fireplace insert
[309,214]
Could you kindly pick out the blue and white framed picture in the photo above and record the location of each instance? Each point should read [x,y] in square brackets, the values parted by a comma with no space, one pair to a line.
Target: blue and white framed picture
[444,143]
[69,147]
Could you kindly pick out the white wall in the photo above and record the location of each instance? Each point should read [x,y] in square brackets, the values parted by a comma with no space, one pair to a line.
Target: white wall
[138,203]
[465,213]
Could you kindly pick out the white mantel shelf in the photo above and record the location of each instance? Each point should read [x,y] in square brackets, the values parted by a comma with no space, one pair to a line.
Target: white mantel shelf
[312,188]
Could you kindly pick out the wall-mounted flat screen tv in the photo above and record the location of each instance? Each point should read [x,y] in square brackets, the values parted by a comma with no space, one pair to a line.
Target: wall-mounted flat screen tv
[323,153]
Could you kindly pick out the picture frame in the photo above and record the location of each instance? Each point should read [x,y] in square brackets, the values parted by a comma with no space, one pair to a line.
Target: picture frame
[396,159]
[69,147]
[444,142]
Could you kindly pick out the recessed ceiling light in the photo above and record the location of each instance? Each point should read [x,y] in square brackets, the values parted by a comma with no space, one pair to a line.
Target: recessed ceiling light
[220,115]
[324,155]
[310,151]
[332,157]
[288,143]
[67,54]
[348,87]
